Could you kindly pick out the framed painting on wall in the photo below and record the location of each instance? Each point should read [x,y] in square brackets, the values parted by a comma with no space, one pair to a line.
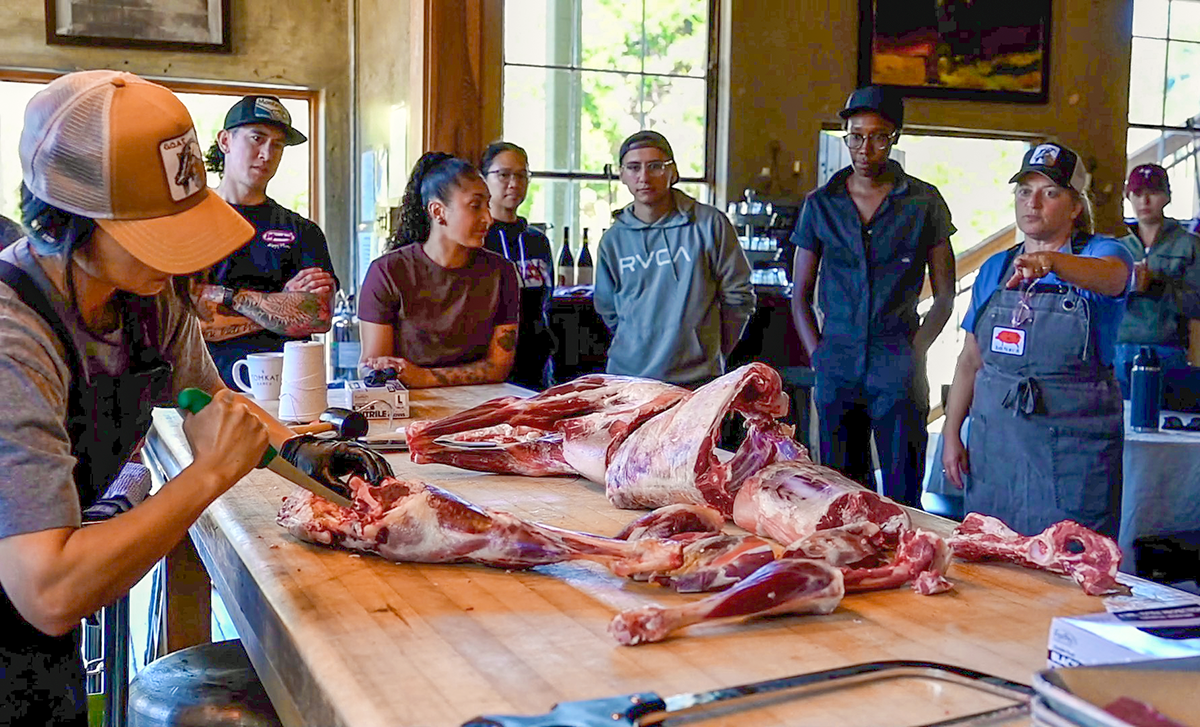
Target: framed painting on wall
[983,50]
[195,25]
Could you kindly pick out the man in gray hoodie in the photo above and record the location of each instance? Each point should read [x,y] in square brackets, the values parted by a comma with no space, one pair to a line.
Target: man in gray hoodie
[672,281]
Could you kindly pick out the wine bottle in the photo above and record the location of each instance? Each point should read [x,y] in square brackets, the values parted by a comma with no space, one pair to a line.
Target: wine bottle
[583,266]
[566,261]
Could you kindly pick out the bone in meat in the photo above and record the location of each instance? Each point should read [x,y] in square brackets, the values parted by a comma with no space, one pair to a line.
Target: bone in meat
[572,428]
[409,521]
[672,520]
[715,562]
[1066,548]
[788,501]
[672,458]
[783,586]
[921,558]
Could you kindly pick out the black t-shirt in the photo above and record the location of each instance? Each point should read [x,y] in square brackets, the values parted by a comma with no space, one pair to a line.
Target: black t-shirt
[284,244]
[529,250]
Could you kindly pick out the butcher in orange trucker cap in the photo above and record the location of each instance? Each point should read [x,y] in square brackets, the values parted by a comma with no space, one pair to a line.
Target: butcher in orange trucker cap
[123,151]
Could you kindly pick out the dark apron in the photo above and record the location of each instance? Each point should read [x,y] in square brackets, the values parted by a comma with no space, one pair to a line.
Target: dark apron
[41,676]
[1047,428]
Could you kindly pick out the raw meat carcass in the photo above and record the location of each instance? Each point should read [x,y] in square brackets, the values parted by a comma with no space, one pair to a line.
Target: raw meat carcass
[788,501]
[407,521]
[921,558]
[783,586]
[714,562]
[572,428]
[1066,548]
[672,458]
[672,520]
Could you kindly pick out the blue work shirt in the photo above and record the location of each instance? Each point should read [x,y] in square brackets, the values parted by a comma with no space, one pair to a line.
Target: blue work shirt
[871,274]
[1106,310]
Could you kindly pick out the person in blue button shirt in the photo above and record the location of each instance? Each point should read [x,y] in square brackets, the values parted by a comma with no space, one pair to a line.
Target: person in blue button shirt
[872,231]
[1035,371]
[280,286]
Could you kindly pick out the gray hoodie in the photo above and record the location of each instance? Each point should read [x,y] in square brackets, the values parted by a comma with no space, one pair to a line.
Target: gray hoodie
[671,291]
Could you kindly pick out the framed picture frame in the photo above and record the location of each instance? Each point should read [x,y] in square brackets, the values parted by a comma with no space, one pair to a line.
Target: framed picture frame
[980,50]
[177,25]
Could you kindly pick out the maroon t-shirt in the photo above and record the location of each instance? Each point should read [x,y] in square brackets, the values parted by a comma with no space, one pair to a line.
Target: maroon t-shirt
[440,316]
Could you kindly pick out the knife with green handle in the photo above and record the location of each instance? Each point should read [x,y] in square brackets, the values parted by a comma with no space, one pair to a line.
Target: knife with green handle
[194,400]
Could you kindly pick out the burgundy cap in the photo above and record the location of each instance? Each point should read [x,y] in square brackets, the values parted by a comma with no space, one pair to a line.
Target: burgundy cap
[1147,177]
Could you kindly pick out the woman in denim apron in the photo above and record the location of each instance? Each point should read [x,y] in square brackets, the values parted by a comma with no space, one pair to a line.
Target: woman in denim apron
[1035,372]
[96,328]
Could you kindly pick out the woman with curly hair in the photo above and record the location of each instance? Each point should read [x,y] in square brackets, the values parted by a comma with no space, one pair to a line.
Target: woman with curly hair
[437,307]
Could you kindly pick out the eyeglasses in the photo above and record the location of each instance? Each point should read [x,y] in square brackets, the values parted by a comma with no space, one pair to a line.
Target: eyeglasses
[653,169]
[1177,423]
[507,175]
[1023,313]
[878,140]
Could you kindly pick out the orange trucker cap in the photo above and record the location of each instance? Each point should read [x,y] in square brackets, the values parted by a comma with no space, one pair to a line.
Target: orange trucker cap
[123,151]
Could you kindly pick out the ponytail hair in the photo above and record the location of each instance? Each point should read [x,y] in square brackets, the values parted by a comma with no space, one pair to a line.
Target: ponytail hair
[433,177]
[495,149]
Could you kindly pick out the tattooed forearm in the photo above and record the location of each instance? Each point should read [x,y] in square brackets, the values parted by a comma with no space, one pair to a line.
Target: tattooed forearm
[218,323]
[490,370]
[289,314]
[508,340]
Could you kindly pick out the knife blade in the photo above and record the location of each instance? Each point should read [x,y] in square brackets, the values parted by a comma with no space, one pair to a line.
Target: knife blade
[194,400]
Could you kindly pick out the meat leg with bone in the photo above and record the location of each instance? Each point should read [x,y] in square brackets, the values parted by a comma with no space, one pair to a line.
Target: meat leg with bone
[788,501]
[712,560]
[409,521]
[1066,548]
[672,458]
[572,428]
[922,558]
[784,586]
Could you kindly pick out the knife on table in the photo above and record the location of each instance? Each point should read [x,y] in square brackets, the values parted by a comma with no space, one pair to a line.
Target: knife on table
[194,400]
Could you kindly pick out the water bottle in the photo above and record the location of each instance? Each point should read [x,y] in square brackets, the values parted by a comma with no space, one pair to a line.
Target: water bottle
[1145,391]
[344,347]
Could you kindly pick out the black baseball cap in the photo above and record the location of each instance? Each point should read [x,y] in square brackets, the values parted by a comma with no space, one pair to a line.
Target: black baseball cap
[1058,163]
[645,139]
[887,103]
[263,110]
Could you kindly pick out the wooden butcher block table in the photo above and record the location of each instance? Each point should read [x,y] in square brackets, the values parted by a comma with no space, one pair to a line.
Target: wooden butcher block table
[344,639]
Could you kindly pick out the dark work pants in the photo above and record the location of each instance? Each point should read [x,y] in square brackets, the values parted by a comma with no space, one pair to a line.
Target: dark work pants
[848,416]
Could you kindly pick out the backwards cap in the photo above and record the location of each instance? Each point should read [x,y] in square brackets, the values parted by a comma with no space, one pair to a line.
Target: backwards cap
[123,151]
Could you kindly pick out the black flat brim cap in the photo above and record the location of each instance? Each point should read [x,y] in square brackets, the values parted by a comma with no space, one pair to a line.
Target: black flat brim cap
[263,110]
[877,99]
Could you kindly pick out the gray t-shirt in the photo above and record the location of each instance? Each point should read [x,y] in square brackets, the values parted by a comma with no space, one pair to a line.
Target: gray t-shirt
[37,489]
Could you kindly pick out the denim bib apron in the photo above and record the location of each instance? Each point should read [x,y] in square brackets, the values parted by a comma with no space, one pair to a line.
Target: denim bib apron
[1047,428]
[107,417]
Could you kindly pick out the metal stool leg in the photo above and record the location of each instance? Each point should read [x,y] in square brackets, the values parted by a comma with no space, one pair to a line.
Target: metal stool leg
[116,663]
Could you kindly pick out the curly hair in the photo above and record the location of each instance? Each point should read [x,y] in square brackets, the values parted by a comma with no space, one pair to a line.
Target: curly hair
[214,159]
[433,177]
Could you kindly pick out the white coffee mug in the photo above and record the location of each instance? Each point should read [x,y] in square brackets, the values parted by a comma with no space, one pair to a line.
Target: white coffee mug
[266,373]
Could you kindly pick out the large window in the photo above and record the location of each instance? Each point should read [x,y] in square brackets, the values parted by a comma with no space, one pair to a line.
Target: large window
[581,75]
[1164,96]
[291,187]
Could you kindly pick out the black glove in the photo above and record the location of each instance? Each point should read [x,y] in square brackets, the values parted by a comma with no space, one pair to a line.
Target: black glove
[329,460]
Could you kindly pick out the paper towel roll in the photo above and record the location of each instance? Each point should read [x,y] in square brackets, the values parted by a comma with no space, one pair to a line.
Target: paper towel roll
[302,391]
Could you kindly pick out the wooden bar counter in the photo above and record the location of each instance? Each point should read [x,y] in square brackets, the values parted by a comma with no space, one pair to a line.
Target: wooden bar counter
[345,639]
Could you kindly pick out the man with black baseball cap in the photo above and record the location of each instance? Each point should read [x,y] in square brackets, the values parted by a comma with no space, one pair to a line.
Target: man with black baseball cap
[280,286]
[1035,372]
[672,280]
[1165,292]
[872,231]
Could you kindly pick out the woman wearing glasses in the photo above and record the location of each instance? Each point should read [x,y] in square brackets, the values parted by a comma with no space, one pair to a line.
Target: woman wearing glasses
[1035,371]
[505,168]
[437,308]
